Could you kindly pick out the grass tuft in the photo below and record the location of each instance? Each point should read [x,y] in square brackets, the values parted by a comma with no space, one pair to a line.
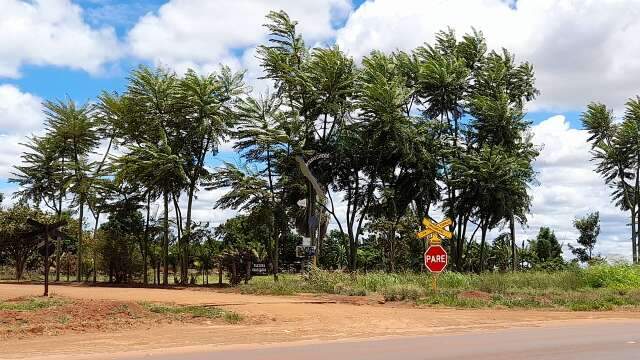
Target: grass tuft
[30,304]
[195,311]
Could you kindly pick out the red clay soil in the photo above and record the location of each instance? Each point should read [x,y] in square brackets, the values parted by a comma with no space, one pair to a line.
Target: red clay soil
[72,316]
[268,319]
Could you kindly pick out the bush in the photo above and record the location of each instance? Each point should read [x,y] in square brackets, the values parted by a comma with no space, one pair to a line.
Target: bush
[620,276]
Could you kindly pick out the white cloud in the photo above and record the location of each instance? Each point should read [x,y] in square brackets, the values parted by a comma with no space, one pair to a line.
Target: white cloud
[569,188]
[582,50]
[10,151]
[20,115]
[18,111]
[51,32]
[202,34]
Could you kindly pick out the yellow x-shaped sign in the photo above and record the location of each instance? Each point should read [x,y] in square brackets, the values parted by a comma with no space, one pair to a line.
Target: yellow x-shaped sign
[436,228]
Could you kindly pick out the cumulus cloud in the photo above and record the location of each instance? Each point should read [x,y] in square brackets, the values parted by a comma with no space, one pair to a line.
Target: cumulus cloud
[582,50]
[51,32]
[20,115]
[202,34]
[19,112]
[569,188]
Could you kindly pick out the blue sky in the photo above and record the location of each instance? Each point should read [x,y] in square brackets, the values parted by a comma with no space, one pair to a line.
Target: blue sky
[77,48]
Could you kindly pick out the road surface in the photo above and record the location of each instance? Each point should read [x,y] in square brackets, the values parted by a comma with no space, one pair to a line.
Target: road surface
[618,340]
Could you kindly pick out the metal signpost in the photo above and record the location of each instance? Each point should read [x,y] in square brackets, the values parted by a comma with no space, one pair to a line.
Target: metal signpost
[435,258]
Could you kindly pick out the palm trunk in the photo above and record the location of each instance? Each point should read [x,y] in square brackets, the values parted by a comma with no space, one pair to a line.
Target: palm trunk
[634,235]
[181,261]
[145,245]
[95,255]
[482,242]
[276,245]
[165,244]
[79,274]
[512,228]
[187,233]
[59,238]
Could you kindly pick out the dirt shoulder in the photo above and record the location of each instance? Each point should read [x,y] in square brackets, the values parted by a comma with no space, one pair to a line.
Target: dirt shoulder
[270,319]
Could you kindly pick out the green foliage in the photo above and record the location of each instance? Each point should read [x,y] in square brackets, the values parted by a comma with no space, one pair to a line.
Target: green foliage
[616,277]
[615,147]
[548,250]
[589,228]
[117,243]
[334,251]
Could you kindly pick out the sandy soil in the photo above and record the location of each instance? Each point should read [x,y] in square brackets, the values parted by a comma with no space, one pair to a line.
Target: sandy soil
[272,320]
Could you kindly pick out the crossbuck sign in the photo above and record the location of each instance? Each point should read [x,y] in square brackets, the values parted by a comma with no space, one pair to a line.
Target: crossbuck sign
[435,258]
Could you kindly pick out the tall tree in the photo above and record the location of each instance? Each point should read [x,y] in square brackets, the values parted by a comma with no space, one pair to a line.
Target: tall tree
[589,228]
[43,178]
[74,128]
[206,115]
[616,151]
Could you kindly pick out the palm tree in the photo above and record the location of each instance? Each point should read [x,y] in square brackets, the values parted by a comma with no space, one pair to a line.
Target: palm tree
[207,115]
[499,182]
[42,178]
[74,129]
[616,151]
[159,170]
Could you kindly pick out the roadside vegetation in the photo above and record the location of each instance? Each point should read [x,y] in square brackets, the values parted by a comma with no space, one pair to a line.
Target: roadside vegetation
[598,287]
[194,311]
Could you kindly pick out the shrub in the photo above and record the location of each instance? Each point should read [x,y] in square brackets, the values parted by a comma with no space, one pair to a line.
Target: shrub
[620,276]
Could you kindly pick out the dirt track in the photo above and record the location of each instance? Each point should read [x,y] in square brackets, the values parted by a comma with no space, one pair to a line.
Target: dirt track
[273,320]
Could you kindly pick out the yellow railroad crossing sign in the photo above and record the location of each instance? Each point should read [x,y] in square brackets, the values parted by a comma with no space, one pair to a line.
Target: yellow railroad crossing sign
[436,230]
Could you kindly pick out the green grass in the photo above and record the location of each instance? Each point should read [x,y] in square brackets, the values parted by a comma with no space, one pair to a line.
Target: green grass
[601,287]
[30,304]
[195,311]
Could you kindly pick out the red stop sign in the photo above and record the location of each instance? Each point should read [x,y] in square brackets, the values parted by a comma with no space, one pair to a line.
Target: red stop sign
[435,258]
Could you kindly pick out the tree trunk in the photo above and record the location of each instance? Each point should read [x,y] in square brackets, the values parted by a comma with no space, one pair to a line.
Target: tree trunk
[145,245]
[392,251]
[19,267]
[165,244]
[353,253]
[58,250]
[634,236]
[638,231]
[482,242]
[187,233]
[95,255]
[247,272]
[276,253]
[184,271]
[514,257]
[220,273]
[81,215]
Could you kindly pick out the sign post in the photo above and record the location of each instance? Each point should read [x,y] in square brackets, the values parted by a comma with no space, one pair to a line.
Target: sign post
[435,258]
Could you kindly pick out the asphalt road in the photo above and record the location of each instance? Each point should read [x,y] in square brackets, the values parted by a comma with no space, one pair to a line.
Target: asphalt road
[618,340]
